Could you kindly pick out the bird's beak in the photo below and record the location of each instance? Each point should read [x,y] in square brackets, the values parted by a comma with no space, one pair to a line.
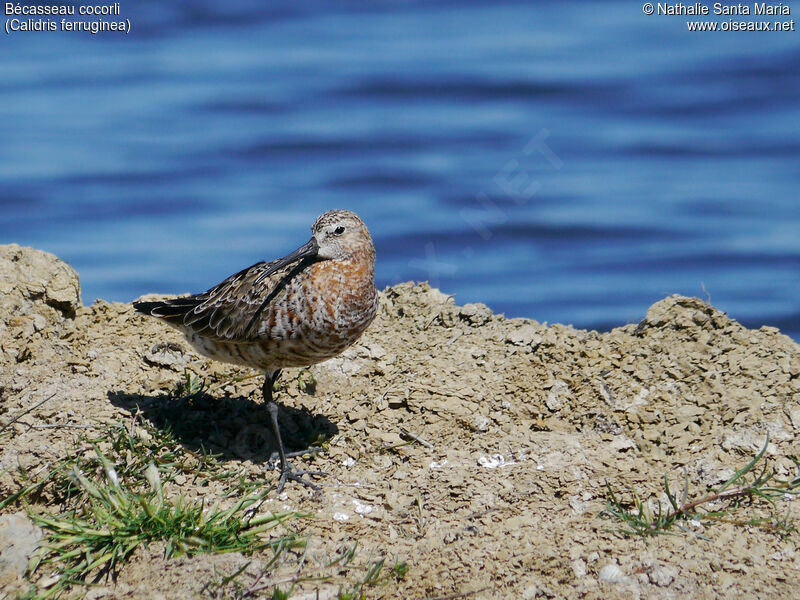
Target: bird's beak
[307,250]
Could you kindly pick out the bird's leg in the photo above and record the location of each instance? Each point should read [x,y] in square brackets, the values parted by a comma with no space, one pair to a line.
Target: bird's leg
[288,472]
[272,408]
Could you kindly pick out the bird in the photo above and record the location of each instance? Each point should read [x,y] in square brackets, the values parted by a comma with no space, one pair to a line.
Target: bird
[295,311]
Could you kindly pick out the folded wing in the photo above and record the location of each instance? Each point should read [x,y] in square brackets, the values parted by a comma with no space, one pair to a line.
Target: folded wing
[230,310]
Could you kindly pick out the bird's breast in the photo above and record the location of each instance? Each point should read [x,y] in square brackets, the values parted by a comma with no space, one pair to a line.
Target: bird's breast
[324,309]
[341,296]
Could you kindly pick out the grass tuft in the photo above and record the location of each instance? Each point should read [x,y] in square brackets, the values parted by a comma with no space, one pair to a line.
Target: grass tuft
[191,385]
[115,502]
[113,521]
[747,488]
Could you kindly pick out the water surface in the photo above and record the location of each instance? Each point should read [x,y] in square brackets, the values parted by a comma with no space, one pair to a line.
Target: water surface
[569,162]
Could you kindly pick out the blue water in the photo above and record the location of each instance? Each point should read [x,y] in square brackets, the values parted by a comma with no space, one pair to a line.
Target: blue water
[569,162]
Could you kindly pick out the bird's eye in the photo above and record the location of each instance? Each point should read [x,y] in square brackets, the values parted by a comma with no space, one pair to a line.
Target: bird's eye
[339,230]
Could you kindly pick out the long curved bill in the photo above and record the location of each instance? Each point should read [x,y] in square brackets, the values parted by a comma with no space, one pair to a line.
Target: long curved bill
[307,250]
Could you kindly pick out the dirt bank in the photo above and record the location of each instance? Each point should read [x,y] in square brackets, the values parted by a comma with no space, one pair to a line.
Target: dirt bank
[522,424]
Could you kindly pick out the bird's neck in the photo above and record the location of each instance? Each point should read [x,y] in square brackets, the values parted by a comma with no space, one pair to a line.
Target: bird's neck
[362,259]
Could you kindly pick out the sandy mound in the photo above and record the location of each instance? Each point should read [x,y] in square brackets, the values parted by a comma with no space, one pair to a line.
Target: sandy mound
[522,426]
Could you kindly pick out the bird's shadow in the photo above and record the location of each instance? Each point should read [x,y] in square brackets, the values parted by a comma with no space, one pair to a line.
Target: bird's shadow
[231,427]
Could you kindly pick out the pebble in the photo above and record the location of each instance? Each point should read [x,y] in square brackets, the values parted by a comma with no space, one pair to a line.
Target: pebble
[611,573]
[662,575]
[19,538]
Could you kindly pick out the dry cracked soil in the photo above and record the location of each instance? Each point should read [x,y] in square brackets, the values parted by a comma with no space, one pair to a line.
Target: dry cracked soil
[478,450]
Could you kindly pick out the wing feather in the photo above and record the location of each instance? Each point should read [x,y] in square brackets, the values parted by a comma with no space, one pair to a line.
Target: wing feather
[229,310]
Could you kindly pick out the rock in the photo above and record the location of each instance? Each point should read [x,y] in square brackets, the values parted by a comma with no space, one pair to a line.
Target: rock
[712,472]
[39,299]
[558,396]
[749,441]
[611,573]
[166,354]
[30,278]
[663,576]
[480,423]
[680,312]
[375,350]
[794,415]
[475,314]
[19,538]
[579,567]
[621,443]
[525,336]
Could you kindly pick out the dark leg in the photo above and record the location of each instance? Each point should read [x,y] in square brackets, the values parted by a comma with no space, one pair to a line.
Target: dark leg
[288,472]
[272,408]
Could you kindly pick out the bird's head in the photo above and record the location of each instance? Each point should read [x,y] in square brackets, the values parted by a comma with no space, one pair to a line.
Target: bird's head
[339,235]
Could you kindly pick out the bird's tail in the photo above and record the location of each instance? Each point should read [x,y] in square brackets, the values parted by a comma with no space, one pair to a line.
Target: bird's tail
[172,311]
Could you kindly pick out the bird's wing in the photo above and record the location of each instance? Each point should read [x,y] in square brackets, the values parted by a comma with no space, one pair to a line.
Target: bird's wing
[228,311]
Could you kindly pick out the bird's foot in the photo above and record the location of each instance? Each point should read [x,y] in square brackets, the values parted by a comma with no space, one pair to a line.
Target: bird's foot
[274,459]
[296,453]
[292,473]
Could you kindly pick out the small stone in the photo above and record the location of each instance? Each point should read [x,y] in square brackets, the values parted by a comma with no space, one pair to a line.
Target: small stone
[525,336]
[621,443]
[480,423]
[579,568]
[663,576]
[794,415]
[493,461]
[712,472]
[39,322]
[612,574]
[167,355]
[375,350]
[747,441]
[558,396]
[478,352]
[19,538]
[476,314]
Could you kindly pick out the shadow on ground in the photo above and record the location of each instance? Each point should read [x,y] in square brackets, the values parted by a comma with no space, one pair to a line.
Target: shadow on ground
[233,427]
